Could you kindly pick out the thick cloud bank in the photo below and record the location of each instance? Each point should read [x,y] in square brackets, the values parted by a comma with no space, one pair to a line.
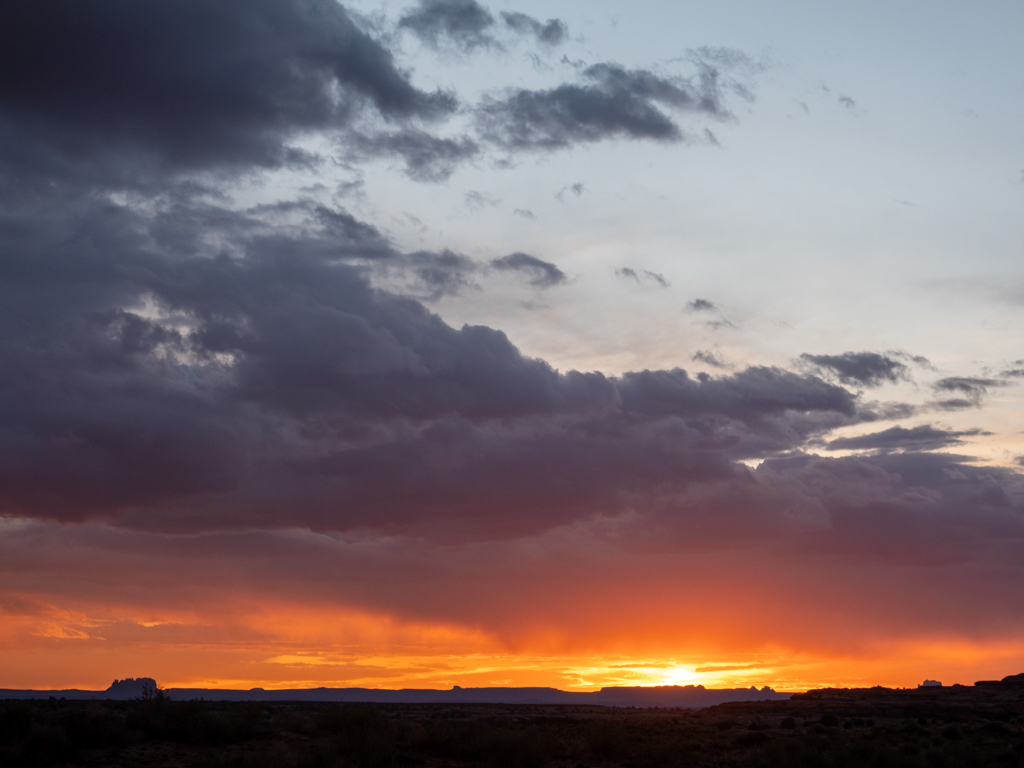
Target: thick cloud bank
[241,363]
[173,362]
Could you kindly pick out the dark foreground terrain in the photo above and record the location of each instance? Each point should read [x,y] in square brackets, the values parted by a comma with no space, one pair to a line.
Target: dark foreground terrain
[954,726]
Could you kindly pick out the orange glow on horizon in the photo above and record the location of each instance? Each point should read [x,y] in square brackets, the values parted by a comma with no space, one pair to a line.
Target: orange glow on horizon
[291,647]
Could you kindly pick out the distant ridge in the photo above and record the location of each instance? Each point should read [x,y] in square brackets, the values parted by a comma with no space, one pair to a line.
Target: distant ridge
[119,690]
[688,696]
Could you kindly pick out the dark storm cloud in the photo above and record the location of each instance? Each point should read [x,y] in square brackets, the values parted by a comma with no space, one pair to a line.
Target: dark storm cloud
[552,32]
[542,274]
[908,507]
[174,363]
[922,438]
[120,87]
[462,23]
[610,102]
[192,367]
[869,369]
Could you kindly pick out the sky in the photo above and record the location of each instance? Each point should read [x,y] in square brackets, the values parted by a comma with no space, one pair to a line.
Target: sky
[441,343]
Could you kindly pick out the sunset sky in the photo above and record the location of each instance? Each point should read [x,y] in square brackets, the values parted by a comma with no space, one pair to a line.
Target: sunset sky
[531,343]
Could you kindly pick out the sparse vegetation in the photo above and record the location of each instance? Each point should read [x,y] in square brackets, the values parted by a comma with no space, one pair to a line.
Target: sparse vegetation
[822,729]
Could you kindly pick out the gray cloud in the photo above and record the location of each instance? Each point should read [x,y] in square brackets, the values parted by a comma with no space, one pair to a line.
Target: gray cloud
[972,389]
[643,275]
[576,189]
[709,357]
[887,411]
[1014,373]
[543,274]
[702,305]
[441,274]
[869,369]
[477,200]
[612,101]
[969,385]
[553,32]
[717,325]
[921,438]
[427,157]
[461,23]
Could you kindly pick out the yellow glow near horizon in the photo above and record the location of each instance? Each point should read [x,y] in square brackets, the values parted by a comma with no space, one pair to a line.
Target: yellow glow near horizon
[291,646]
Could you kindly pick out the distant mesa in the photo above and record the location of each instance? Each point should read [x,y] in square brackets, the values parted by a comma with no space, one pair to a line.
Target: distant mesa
[132,688]
[930,684]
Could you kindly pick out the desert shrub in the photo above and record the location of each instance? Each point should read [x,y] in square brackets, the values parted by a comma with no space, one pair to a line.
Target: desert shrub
[486,745]
[753,739]
[190,722]
[46,744]
[524,748]
[363,736]
[93,726]
[665,754]
[607,741]
[15,723]
[990,729]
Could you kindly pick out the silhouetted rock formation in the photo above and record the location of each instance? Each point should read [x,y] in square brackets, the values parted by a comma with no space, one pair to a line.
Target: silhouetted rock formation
[1009,680]
[119,690]
[132,688]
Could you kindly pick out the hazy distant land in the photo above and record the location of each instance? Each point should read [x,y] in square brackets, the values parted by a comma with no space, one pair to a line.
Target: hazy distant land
[691,696]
